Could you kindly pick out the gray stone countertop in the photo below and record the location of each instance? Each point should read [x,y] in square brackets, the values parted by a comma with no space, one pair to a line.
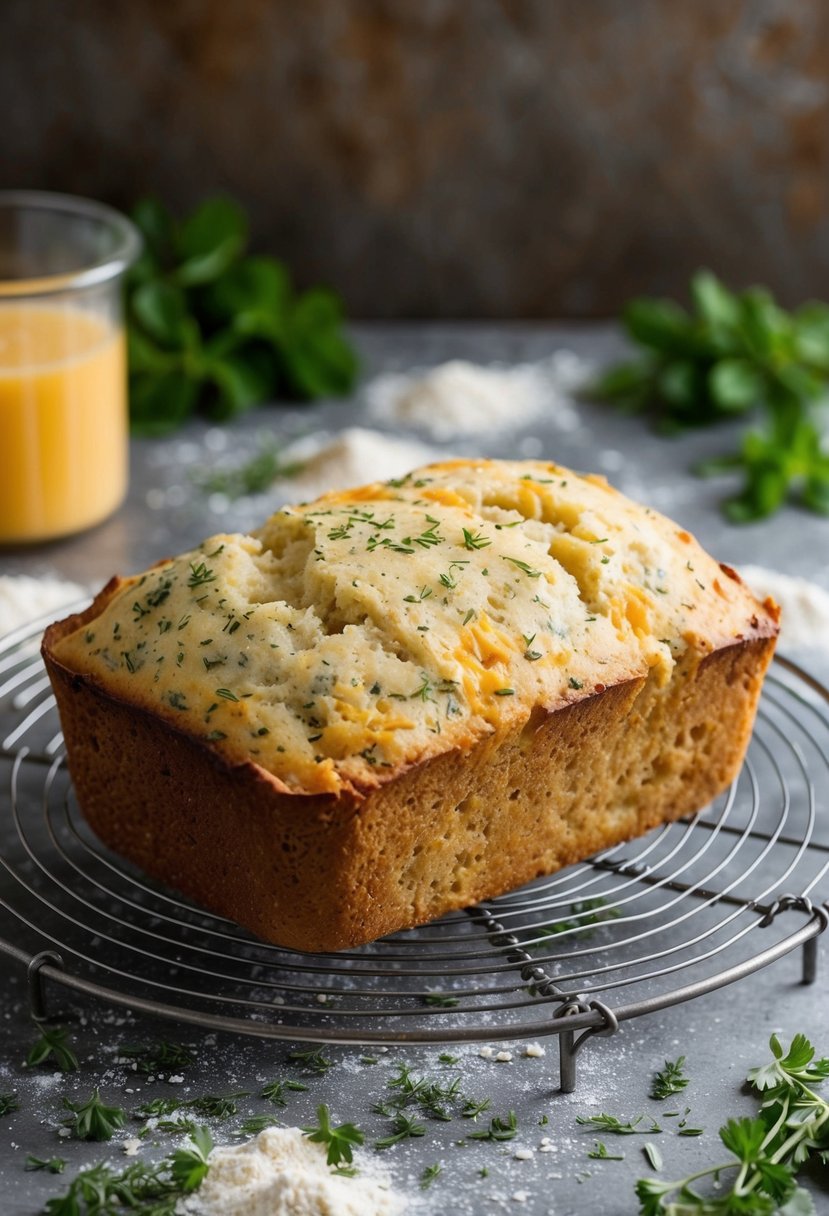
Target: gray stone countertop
[721,1035]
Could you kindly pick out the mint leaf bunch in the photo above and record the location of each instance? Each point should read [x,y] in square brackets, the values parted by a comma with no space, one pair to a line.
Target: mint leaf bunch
[730,354]
[211,328]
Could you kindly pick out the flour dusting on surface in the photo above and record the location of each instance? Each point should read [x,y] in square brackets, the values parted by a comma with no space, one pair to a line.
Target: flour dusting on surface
[282,1173]
[460,398]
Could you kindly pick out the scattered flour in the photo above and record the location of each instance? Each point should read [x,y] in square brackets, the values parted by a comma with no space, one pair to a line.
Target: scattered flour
[23,599]
[282,1173]
[353,457]
[805,620]
[460,398]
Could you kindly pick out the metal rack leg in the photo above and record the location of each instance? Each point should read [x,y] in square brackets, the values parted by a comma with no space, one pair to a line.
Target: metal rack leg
[810,957]
[567,1061]
[569,1046]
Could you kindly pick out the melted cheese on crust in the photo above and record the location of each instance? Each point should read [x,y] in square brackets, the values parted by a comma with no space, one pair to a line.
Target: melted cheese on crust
[357,635]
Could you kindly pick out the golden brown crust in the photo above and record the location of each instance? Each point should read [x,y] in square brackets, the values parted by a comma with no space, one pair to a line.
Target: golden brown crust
[322,872]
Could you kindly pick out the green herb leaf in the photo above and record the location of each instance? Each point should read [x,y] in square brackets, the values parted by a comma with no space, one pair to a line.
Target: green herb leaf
[429,1174]
[161,309]
[312,1060]
[734,353]
[52,1165]
[599,1152]
[619,1127]
[51,1048]
[339,1141]
[210,327]
[403,1127]
[671,1080]
[499,1129]
[209,241]
[151,1189]
[93,1120]
[159,1057]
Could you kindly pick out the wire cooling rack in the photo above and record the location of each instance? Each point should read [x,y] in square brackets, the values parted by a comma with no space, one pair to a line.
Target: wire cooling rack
[689,908]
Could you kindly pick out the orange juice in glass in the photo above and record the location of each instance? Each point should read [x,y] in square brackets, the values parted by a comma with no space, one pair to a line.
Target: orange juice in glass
[63,376]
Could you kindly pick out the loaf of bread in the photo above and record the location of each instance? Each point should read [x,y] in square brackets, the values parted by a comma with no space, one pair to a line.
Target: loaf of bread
[404,698]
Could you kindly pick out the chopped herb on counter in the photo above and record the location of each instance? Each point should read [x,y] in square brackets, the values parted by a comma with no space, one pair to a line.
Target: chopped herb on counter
[618,1127]
[52,1165]
[158,1057]
[93,1119]
[403,1127]
[670,1080]
[499,1129]
[600,1153]
[429,1174]
[51,1048]
[339,1141]
[311,1061]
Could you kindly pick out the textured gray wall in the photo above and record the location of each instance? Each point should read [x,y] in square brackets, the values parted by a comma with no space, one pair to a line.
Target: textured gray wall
[448,157]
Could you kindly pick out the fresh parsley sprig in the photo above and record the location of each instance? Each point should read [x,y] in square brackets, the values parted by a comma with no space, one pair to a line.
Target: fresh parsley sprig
[732,353]
[339,1141]
[791,1128]
[212,329]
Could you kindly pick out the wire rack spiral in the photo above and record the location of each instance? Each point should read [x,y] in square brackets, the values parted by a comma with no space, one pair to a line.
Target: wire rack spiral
[691,907]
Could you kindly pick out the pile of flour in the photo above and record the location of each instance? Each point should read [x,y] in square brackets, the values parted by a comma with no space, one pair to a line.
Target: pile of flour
[351,458]
[24,599]
[805,606]
[282,1173]
[460,398]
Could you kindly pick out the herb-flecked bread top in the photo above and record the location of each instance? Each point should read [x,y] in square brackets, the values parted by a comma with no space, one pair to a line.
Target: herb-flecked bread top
[357,635]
